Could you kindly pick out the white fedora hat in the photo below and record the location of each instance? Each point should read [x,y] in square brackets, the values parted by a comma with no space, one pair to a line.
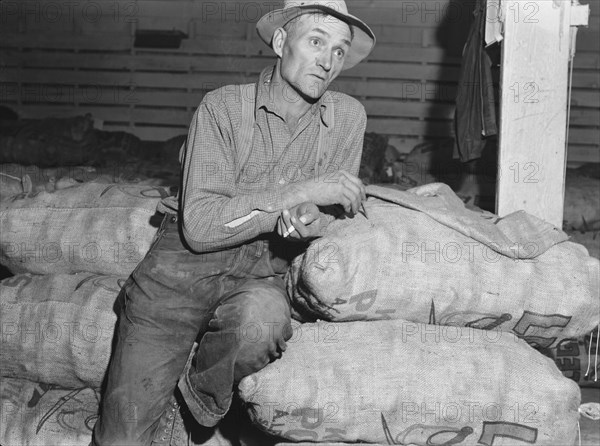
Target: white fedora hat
[362,43]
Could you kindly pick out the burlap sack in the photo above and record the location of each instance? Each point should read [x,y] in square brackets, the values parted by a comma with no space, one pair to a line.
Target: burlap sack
[402,264]
[58,328]
[10,185]
[100,228]
[30,180]
[35,179]
[398,382]
[35,414]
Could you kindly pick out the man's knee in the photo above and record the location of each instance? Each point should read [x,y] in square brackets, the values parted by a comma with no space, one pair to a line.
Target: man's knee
[261,317]
[258,313]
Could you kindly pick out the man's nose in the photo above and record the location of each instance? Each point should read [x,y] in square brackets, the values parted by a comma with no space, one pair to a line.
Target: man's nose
[324,60]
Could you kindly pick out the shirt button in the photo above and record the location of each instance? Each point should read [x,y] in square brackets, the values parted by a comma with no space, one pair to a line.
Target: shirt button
[282,181]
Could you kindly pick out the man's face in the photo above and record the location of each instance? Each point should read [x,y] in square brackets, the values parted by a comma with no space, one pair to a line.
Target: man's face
[313,53]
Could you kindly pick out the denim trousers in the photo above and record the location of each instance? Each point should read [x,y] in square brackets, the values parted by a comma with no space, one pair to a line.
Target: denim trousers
[232,303]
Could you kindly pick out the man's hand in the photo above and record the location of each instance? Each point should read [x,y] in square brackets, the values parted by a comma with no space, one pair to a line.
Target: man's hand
[301,222]
[339,187]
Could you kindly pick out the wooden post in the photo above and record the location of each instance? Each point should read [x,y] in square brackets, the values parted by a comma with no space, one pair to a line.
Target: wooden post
[533,116]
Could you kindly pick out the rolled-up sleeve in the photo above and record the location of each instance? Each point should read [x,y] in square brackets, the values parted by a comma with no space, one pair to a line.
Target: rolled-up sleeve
[209,201]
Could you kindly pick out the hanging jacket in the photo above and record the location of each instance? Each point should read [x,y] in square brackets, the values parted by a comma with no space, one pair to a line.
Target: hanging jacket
[475,116]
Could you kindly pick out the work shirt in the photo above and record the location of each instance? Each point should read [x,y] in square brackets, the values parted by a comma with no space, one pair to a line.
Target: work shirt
[224,205]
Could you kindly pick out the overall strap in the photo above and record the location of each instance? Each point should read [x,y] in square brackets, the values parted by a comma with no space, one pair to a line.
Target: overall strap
[324,147]
[246,134]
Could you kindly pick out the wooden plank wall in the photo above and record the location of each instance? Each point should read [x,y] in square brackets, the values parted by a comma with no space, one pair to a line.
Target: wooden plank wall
[61,58]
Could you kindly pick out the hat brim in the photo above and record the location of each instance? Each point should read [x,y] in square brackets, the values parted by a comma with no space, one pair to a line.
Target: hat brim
[362,43]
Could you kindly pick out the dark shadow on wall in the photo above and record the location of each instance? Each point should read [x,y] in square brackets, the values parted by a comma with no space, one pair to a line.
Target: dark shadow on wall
[474,181]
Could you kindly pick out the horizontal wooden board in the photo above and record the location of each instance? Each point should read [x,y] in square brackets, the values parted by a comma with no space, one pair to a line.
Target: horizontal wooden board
[585,116]
[585,98]
[583,154]
[586,60]
[123,114]
[67,41]
[586,79]
[107,78]
[148,133]
[588,40]
[193,64]
[583,135]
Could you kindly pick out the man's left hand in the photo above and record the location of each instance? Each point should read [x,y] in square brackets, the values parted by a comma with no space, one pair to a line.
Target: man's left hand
[302,222]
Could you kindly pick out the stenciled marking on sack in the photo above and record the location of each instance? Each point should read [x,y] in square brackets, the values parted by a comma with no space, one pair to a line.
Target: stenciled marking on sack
[38,393]
[384,314]
[489,321]
[20,280]
[471,319]
[339,301]
[432,317]
[279,429]
[364,301]
[330,434]
[312,421]
[103,281]
[427,435]
[149,192]
[494,429]
[531,321]
[572,360]
[22,196]
[64,414]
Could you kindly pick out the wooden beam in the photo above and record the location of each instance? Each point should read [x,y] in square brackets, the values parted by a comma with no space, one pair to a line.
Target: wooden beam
[533,117]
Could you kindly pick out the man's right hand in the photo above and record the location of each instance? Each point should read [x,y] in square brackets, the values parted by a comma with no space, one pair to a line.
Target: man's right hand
[339,187]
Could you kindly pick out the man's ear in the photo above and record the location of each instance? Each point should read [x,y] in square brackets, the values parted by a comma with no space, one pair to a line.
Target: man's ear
[279,37]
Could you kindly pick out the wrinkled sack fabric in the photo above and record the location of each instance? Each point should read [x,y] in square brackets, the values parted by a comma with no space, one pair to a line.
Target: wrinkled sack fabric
[423,257]
[398,382]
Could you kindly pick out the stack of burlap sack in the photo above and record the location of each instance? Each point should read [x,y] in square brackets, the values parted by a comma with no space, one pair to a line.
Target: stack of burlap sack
[430,323]
[70,252]
[419,346]
[68,141]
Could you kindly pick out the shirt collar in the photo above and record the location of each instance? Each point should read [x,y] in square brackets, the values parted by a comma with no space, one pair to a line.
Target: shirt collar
[264,99]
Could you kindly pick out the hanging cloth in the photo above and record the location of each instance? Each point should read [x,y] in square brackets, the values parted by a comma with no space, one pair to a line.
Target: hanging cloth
[475,116]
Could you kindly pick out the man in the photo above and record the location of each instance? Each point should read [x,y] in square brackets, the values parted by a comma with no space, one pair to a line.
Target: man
[254,185]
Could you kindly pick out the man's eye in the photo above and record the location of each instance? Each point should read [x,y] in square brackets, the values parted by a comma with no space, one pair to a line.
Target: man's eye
[315,42]
[339,53]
